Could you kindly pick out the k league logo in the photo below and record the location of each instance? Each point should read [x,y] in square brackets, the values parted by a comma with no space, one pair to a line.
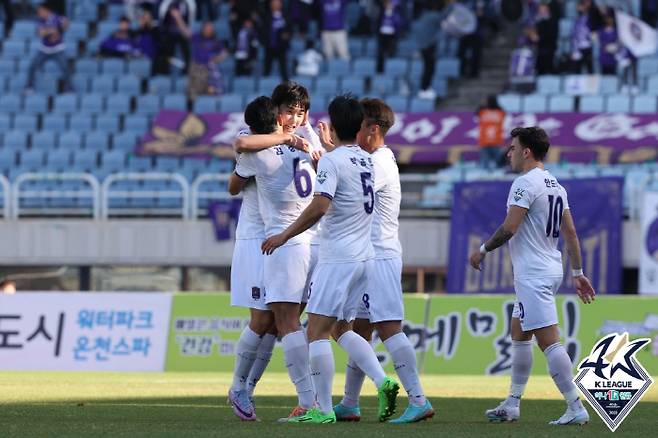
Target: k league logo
[612,379]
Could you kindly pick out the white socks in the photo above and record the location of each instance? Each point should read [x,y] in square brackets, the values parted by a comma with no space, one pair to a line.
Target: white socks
[354,378]
[559,366]
[296,353]
[404,361]
[263,356]
[321,358]
[521,367]
[245,356]
[361,352]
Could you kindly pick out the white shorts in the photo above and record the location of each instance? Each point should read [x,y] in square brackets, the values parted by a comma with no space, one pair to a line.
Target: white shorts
[337,289]
[382,298]
[311,269]
[247,289]
[535,302]
[285,274]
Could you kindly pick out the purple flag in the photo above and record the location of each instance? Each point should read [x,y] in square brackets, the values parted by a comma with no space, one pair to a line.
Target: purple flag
[223,215]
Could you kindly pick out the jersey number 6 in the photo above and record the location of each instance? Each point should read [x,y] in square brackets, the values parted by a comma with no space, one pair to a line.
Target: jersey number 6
[303,189]
[367,191]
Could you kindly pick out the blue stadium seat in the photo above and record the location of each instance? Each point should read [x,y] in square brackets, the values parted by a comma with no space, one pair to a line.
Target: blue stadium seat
[652,85]
[418,105]
[244,85]
[54,122]
[66,103]
[167,164]
[81,83]
[136,123]
[24,29]
[230,103]
[160,85]
[609,85]
[81,122]
[113,159]
[181,85]
[364,67]
[267,84]
[534,103]
[383,84]
[113,67]
[46,85]
[510,102]
[353,85]
[15,139]
[549,84]
[16,83]
[105,28]
[104,84]
[35,104]
[124,141]
[13,49]
[108,123]
[338,67]
[591,104]
[397,103]
[85,160]
[97,140]
[129,84]
[70,140]
[32,159]
[7,159]
[58,160]
[175,102]
[10,103]
[25,122]
[647,66]
[87,66]
[326,85]
[7,67]
[205,104]
[117,104]
[92,103]
[148,104]
[560,103]
[44,140]
[447,67]
[305,81]
[140,67]
[644,104]
[140,164]
[396,67]
[618,103]
[77,30]
[370,48]
[5,123]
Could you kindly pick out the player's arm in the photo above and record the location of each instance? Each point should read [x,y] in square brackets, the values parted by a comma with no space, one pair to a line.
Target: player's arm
[245,168]
[309,217]
[259,142]
[236,183]
[584,288]
[513,220]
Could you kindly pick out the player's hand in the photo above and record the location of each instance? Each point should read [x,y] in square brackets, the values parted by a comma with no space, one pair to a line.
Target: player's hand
[325,136]
[272,243]
[316,155]
[584,289]
[476,260]
[299,143]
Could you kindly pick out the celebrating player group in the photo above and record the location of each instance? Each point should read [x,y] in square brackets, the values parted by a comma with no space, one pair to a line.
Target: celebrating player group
[318,229]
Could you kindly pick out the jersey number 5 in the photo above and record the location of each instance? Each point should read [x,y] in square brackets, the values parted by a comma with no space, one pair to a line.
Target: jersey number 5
[301,175]
[555,209]
[368,192]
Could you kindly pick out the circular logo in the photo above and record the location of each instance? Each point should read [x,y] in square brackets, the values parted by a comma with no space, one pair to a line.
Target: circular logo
[652,239]
[636,31]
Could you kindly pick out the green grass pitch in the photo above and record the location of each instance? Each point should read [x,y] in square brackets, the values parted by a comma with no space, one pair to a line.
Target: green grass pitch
[194,405]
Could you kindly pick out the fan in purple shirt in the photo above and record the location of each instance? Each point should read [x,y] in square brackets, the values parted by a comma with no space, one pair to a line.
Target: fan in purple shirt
[207,52]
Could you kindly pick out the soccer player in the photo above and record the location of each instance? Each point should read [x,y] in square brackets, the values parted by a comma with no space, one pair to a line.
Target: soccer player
[344,196]
[381,304]
[537,212]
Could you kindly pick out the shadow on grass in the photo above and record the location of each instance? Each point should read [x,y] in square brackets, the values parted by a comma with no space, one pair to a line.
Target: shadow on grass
[212,417]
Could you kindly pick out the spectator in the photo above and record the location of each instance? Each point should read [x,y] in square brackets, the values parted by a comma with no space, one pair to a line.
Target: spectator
[275,38]
[649,12]
[390,25]
[147,42]
[581,41]
[522,62]
[470,46]
[246,49]
[120,44]
[7,287]
[334,33]
[547,28]
[207,52]
[9,16]
[628,67]
[51,28]
[309,62]
[210,8]
[608,47]
[491,118]
[425,35]
[176,19]
[239,12]
[134,8]
[301,14]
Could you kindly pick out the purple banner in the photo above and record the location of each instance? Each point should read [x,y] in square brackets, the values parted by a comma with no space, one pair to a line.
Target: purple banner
[480,207]
[438,137]
[224,215]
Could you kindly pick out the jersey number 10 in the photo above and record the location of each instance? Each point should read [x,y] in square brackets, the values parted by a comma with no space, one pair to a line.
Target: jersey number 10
[555,209]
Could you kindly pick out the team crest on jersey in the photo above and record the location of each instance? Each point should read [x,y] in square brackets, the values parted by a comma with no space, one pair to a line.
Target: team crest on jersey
[322,176]
[612,379]
[518,194]
[255,293]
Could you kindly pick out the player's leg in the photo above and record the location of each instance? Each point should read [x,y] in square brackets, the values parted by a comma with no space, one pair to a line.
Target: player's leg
[321,359]
[348,408]
[263,356]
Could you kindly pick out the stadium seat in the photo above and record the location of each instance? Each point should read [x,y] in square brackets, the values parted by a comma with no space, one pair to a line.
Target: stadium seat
[15,139]
[113,159]
[549,84]
[118,104]
[7,67]
[652,85]
[181,85]
[80,82]
[65,103]
[418,105]
[104,84]
[54,122]
[591,104]
[139,67]
[175,102]
[81,122]
[108,123]
[35,104]
[44,140]
[618,103]
[105,28]
[447,67]
[560,103]
[205,104]
[124,141]
[77,30]
[87,66]
[364,67]
[58,160]
[267,84]
[338,68]
[644,104]
[160,85]
[13,49]
[7,159]
[32,159]
[244,85]
[355,47]
[129,84]
[25,122]
[92,103]
[230,103]
[647,66]
[10,103]
[305,81]
[46,85]
[97,140]
[5,123]
[383,84]
[70,140]
[148,105]
[534,103]
[609,85]
[397,103]
[353,85]
[166,164]
[510,102]
[112,67]
[395,67]
[85,160]
[140,164]
[326,85]
[136,123]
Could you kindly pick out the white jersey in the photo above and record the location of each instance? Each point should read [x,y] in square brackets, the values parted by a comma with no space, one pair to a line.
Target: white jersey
[345,175]
[388,196]
[250,224]
[306,132]
[533,248]
[284,180]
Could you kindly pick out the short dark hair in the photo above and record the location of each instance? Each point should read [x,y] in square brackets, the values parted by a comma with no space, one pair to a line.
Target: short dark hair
[346,115]
[291,94]
[44,5]
[260,115]
[377,112]
[533,138]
